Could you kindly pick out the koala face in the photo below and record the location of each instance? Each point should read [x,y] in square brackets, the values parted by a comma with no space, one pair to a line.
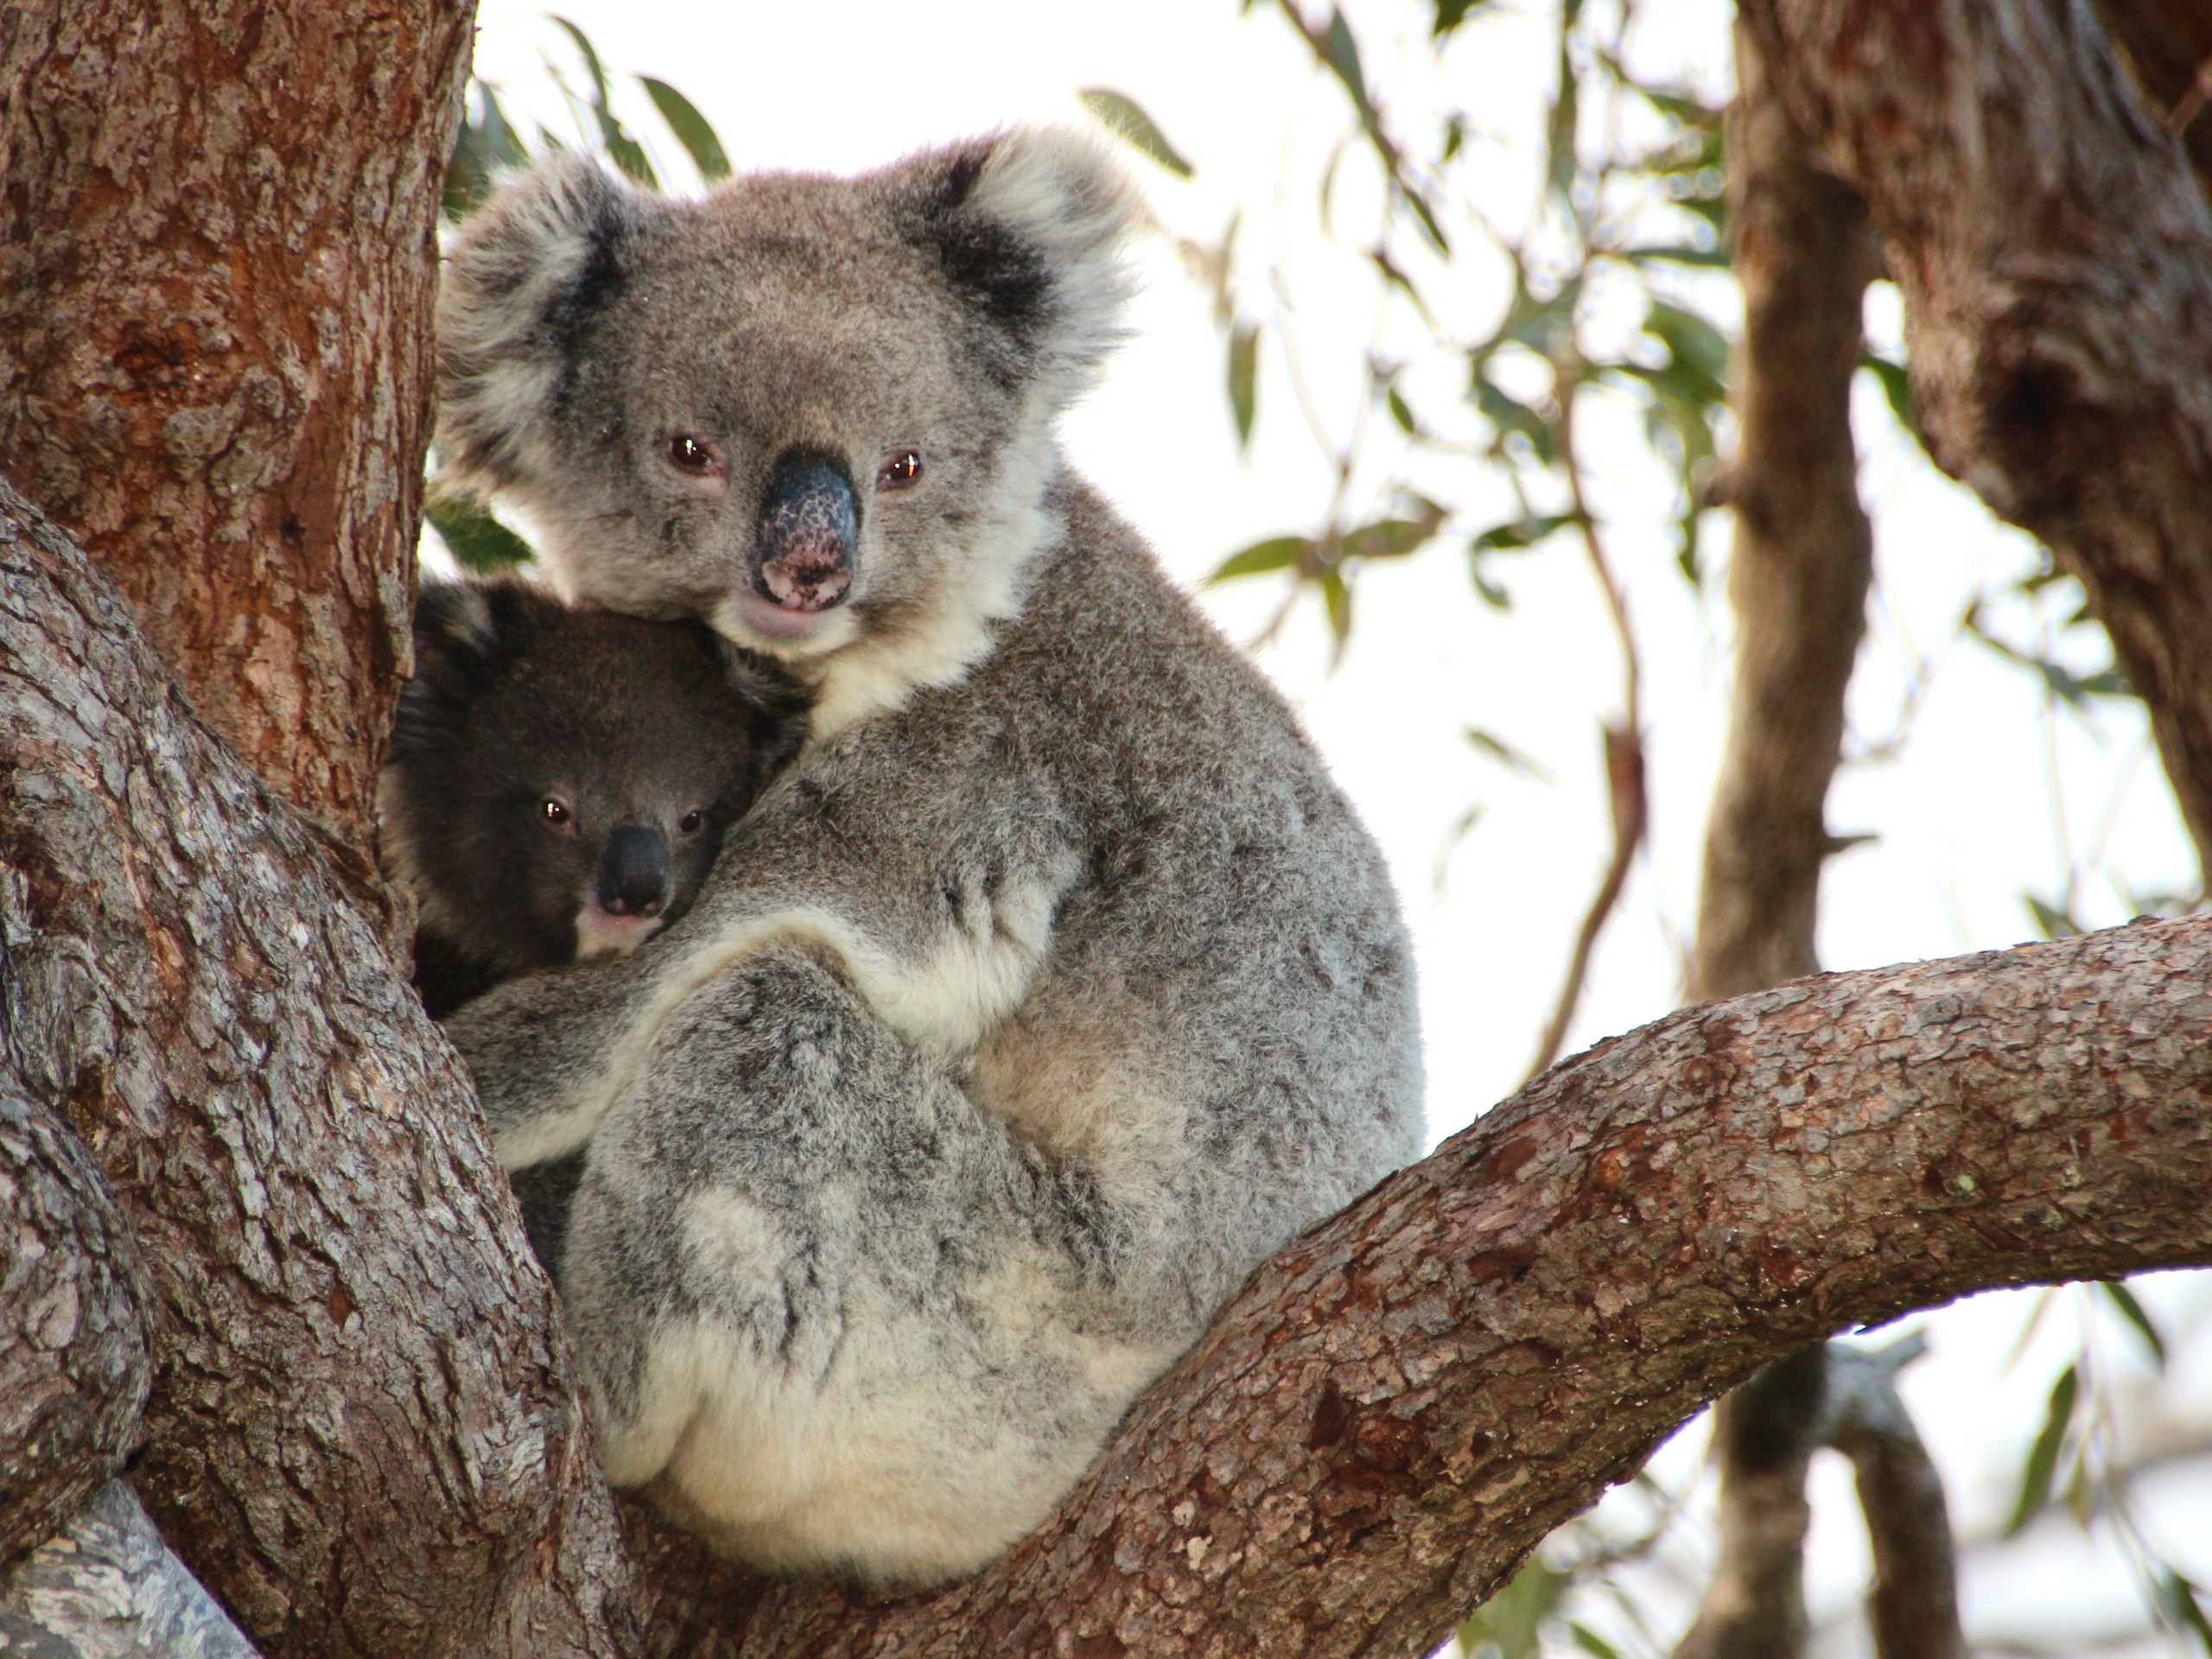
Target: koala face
[560,777]
[803,409]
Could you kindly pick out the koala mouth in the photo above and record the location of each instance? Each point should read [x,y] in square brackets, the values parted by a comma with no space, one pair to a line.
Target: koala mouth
[599,932]
[809,522]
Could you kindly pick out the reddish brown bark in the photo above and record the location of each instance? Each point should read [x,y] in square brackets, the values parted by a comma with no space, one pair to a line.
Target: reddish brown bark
[2055,251]
[217,256]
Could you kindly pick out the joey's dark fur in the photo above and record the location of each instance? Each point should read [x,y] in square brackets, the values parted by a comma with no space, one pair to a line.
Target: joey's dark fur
[652,738]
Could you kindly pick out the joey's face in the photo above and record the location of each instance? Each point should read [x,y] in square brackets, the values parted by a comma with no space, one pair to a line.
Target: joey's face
[811,411]
[560,777]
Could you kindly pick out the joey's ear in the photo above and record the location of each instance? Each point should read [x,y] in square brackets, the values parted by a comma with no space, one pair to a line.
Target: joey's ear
[523,281]
[468,634]
[1031,226]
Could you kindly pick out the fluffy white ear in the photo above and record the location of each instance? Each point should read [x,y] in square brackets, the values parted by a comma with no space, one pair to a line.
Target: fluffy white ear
[1033,226]
[522,281]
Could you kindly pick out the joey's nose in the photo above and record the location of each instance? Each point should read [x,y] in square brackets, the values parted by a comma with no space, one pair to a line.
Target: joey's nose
[809,524]
[634,874]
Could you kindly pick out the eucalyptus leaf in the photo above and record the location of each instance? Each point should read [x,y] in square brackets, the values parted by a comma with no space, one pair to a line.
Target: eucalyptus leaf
[2043,1456]
[2133,1311]
[478,542]
[1139,130]
[1278,553]
[692,129]
[1243,379]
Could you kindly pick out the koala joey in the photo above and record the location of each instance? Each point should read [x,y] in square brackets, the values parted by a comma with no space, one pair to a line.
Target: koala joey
[1052,987]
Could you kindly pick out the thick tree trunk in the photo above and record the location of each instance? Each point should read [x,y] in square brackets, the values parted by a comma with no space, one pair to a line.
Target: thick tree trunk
[217,257]
[363,1435]
[2055,251]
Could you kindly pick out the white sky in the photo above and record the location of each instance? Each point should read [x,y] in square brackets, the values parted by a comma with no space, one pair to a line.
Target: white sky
[1990,797]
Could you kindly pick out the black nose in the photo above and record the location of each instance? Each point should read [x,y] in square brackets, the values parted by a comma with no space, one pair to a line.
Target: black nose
[634,874]
[809,523]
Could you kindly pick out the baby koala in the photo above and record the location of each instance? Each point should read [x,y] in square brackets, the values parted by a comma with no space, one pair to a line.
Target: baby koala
[559,781]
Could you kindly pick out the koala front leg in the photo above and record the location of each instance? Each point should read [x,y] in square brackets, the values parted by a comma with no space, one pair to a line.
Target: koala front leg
[837,1314]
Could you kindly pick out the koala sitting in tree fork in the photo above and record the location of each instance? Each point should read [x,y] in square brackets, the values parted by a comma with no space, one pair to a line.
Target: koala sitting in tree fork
[1050,989]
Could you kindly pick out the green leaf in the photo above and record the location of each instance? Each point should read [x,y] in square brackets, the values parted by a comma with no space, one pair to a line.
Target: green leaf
[1591,1643]
[1393,538]
[1278,553]
[2178,1601]
[1510,1623]
[1450,14]
[1505,754]
[1896,390]
[1560,156]
[2043,1456]
[1340,51]
[1243,379]
[1521,532]
[478,542]
[1507,414]
[692,129]
[1336,598]
[1402,412]
[1691,341]
[1121,113]
[2051,922]
[2133,1312]
[621,149]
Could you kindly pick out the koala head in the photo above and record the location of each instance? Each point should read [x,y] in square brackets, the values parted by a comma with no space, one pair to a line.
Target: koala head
[560,777]
[808,409]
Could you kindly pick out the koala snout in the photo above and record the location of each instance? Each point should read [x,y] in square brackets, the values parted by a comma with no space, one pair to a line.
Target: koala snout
[634,874]
[809,522]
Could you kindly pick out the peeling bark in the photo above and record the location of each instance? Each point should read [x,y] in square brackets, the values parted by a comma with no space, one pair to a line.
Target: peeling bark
[362,1434]
[217,258]
[2055,251]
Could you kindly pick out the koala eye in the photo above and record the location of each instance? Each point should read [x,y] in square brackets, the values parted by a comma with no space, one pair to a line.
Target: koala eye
[692,822]
[555,814]
[899,471]
[699,457]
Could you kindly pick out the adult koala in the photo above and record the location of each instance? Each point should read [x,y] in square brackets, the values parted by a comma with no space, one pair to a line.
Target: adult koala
[1053,987]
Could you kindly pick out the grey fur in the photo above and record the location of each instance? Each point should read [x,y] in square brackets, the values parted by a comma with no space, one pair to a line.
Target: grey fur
[1052,989]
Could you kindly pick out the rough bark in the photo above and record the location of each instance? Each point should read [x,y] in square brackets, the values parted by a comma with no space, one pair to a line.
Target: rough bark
[72,1337]
[1803,552]
[363,1438]
[362,1434]
[109,1588]
[2055,252]
[217,257]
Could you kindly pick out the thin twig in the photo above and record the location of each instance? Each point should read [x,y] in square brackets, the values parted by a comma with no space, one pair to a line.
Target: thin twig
[1624,745]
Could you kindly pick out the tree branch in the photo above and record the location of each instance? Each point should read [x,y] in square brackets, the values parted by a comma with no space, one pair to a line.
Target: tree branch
[363,1433]
[73,1336]
[2058,355]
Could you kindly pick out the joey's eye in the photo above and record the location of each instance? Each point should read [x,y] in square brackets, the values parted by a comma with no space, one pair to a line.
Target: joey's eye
[697,456]
[555,814]
[691,823]
[899,471]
